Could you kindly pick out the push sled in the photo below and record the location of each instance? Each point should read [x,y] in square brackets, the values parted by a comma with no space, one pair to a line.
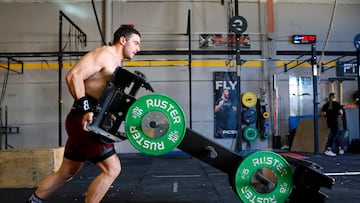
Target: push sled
[155,124]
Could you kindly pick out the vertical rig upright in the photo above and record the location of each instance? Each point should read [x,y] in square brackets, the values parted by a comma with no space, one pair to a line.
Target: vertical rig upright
[315,96]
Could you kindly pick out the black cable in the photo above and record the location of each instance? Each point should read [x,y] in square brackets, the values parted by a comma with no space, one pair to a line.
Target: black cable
[98,24]
[3,90]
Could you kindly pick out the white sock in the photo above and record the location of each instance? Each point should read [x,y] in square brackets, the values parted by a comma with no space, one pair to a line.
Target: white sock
[34,199]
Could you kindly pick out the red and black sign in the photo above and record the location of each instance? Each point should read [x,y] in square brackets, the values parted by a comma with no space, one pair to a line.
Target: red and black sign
[223,41]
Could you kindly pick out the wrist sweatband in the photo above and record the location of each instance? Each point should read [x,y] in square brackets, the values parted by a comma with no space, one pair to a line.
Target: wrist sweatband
[84,104]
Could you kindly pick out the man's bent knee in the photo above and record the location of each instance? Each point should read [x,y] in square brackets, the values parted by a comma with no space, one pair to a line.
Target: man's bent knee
[113,171]
[111,166]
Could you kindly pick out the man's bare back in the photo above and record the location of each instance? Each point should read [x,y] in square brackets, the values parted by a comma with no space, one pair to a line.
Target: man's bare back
[94,70]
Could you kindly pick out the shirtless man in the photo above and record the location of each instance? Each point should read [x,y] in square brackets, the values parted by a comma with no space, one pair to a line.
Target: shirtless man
[86,82]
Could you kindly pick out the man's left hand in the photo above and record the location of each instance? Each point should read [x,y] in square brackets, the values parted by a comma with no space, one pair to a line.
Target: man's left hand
[87,118]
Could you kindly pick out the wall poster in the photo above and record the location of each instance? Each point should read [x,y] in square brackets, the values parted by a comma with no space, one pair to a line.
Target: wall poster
[225,104]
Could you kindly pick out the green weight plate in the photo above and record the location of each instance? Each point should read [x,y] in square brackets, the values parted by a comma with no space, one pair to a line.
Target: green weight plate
[250,133]
[155,124]
[264,176]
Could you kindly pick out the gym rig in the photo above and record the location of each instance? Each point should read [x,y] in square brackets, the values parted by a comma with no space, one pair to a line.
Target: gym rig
[155,124]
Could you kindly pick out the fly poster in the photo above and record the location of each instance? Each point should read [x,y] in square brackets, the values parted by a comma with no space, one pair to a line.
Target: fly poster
[225,104]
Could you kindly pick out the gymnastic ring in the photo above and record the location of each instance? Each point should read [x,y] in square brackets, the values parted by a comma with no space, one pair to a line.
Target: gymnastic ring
[155,124]
[263,167]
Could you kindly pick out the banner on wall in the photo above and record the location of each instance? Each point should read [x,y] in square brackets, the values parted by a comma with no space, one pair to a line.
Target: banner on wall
[225,104]
[223,41]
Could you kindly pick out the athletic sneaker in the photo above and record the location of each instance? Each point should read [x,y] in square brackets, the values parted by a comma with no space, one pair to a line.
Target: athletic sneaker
[341,151]
[329,153]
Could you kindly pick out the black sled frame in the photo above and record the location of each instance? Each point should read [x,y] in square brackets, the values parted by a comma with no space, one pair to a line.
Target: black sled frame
[120,94]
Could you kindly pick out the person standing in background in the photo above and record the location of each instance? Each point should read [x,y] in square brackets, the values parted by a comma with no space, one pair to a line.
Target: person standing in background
[332,110]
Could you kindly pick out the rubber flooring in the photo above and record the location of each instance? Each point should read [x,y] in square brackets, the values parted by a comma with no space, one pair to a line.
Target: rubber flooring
[182,178]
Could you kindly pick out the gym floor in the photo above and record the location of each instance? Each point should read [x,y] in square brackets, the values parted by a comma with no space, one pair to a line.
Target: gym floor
[182,178]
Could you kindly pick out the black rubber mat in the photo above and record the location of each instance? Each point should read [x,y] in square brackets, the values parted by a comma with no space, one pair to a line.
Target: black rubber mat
[181,178]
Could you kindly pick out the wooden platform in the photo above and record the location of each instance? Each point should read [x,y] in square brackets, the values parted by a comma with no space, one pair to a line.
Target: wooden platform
[304,137]
[25,168]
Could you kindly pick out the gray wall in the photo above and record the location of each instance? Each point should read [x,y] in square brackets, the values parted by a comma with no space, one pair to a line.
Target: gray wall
[32,97]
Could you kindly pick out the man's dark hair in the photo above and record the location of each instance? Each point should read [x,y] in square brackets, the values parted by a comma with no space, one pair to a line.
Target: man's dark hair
[332,96]
[124,31]
[331,100]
